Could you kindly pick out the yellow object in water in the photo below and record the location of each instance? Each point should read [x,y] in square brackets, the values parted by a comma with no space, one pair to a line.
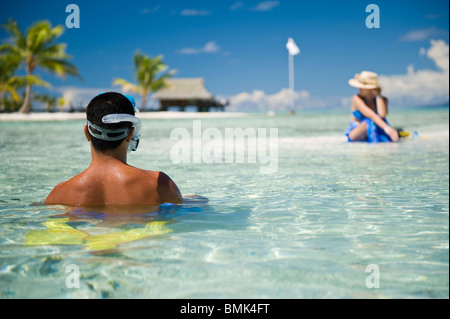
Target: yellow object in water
[404,134]
[111,240]
[59,233]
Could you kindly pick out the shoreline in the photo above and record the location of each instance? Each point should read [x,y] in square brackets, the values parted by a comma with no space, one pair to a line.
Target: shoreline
[64,116]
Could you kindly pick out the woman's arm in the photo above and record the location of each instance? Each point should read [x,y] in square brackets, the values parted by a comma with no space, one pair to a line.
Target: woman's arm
[361,106]
[382,106]
[370,114]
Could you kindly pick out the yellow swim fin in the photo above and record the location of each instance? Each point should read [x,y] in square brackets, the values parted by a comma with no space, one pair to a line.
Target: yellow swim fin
[58,233]
[111,240]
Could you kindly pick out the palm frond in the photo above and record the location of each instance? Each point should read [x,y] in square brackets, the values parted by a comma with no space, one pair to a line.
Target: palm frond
[149,74]
[13,29]
[22,81]
[127,86]
[60,67]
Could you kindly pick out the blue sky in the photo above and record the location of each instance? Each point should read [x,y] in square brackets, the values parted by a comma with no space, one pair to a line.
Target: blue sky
[239,47]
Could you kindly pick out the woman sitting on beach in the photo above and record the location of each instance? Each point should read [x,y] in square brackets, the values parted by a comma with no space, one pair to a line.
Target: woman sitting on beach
[369,111]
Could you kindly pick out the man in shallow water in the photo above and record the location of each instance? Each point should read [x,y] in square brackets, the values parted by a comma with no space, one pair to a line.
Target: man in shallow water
[112,129]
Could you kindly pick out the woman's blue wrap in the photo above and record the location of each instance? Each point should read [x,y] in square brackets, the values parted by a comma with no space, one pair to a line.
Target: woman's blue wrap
[374,133]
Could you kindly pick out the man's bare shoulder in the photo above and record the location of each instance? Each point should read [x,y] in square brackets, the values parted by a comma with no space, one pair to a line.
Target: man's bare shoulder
[63,191]
[168,190]
[127,185]
[159,177]
[148,173]
[154,183]
[58,194]
[145,178]
[160,180]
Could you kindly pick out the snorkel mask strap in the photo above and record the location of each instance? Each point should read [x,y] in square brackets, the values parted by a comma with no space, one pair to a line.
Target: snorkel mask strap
[117,118]
[104,134]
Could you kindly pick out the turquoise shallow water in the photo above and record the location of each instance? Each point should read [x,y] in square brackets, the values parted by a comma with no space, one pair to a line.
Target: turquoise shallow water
[307,231]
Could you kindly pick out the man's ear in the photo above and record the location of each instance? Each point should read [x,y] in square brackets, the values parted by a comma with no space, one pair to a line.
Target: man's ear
[86,133]
[130,135]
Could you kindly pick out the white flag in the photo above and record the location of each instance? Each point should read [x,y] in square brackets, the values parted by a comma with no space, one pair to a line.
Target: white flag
[292,47]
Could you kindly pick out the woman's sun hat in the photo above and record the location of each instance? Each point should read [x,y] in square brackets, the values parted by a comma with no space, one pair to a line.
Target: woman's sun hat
[365,80]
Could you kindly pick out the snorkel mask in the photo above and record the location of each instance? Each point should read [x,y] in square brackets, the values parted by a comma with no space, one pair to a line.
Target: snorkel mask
[118,134]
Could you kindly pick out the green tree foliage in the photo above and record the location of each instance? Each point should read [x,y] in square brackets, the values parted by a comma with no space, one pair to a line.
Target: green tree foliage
[151,74]
[35,48]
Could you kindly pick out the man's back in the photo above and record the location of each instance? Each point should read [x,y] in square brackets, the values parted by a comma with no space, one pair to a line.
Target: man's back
[115,183]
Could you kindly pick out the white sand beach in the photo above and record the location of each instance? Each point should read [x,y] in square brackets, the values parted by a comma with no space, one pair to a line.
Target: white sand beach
[64,116]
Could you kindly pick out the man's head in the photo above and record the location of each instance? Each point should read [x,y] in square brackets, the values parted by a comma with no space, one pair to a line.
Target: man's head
[102,105]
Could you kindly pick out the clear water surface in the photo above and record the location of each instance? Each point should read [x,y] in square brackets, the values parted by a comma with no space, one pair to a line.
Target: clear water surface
[308,231]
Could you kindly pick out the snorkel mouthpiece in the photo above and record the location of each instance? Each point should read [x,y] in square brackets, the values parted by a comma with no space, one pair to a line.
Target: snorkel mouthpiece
[117,118]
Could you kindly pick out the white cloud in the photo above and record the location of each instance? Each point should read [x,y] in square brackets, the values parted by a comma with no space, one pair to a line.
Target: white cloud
[260,101]
[423,34]
[421,86]
[194,12]
[146,11]
[77,97]
[439,53]
[266,5]
[210,47]
[237,6]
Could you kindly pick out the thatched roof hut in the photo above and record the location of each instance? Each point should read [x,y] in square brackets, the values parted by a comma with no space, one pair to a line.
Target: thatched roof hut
[187,92]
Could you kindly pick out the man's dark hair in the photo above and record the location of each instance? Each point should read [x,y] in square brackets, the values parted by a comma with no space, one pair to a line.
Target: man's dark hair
[104,104]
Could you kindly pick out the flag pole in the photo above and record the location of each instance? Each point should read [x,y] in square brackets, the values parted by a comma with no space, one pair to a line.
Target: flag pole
[291,81]
[293,50]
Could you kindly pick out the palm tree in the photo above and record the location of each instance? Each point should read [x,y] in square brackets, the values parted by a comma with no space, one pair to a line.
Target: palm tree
[9,83]
[149,75]
[8,65]
[37,48]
